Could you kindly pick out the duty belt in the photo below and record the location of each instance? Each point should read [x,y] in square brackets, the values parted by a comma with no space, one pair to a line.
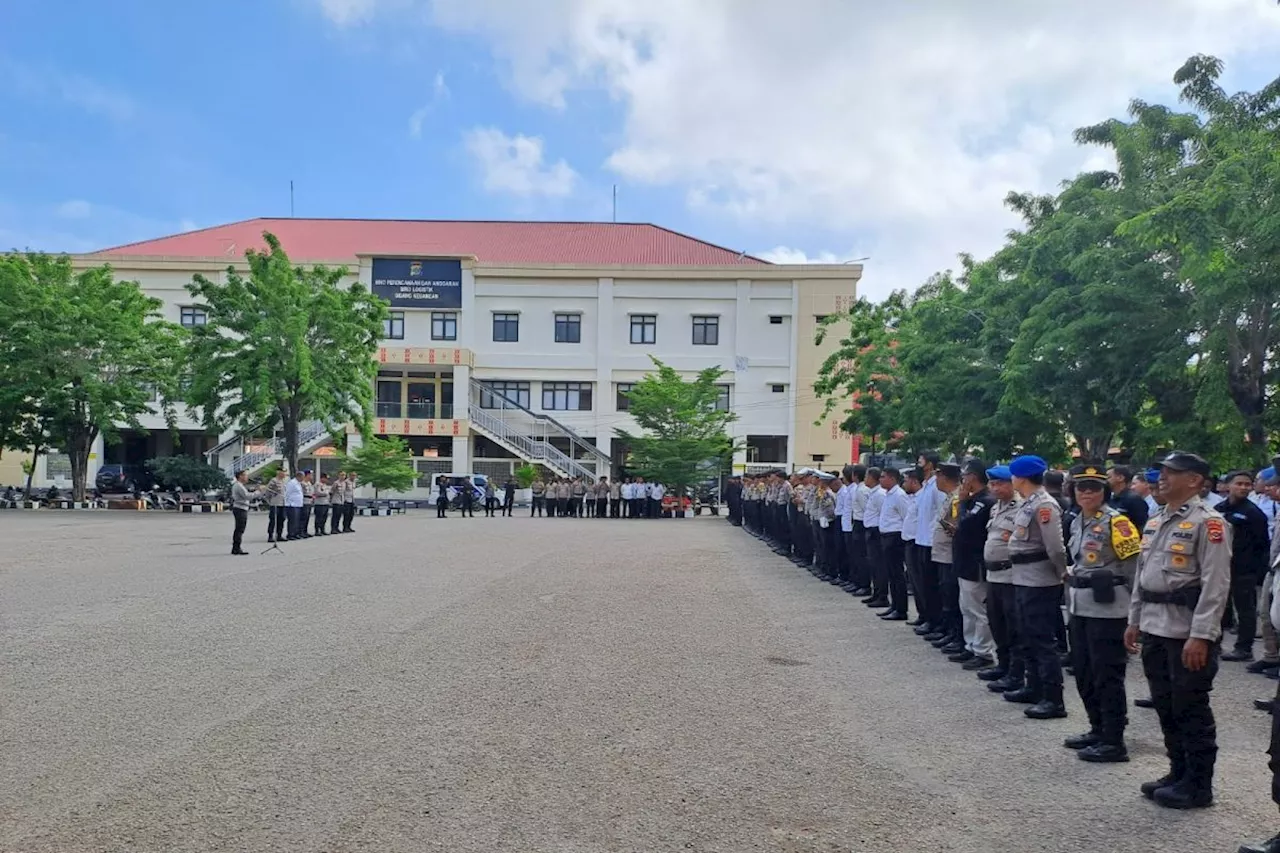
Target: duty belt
[1187,596]
[1085,582]
[1033,557]
[1002,566]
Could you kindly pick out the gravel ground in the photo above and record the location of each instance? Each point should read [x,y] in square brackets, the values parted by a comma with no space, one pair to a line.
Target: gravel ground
[526,685]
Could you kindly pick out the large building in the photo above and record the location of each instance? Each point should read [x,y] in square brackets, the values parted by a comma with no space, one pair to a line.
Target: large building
[519,340]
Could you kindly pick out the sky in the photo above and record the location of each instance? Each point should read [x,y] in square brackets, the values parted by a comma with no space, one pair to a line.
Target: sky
[799,131]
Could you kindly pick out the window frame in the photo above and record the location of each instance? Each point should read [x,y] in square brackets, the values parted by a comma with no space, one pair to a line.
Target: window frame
[509,319]
[512,389]
[778,387]
[710,326]
[444,319]
[583,390]
[571,321]
[185,311]
[644,322]
[389,326]
[776,319]
[726,394]
[621,402]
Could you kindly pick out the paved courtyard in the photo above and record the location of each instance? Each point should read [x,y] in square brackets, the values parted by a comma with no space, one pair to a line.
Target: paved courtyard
[526,685]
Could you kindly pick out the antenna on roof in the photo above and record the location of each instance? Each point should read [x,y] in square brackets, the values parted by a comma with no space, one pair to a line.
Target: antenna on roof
[742,254]
[615,202]
[291,199]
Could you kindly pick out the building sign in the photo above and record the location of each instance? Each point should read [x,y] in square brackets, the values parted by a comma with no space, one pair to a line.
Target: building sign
[414,283]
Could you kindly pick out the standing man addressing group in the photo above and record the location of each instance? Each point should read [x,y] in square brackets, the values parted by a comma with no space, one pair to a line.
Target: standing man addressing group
[1175,621]
[240,512]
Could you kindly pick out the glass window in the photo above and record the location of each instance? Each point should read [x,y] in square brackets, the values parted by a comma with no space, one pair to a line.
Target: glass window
[775,319]
[506,328]
[388,405]
[644,328]
[516,392]
[623,402]
[566,396]
[722,402]
[193,316]
[393,326]
[706,331]
[568,328]
[444,326]
[778,389]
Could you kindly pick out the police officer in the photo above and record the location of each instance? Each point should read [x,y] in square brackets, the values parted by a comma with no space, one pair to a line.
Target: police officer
[1039,560]
[349,502]
[1184,579]
[539,491]
[337,498]
[945,523]
[1009,673]
[860,572]
[274,490]
[781,501]
[322,495]
[308,503]
[1104,545]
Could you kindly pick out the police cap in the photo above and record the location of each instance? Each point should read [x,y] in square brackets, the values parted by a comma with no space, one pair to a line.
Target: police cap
[1089,472]
[1181,461]
[949,470]
[999,472]
[1028,466]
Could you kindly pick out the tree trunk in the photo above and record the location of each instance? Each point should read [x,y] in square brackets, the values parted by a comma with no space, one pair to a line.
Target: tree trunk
[35,455]
[78,446]
[290,454]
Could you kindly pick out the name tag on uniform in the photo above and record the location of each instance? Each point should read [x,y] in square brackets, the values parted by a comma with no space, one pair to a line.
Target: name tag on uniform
[1178,534]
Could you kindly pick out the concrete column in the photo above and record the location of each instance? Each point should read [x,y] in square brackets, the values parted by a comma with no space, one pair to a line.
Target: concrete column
[462,454]
[606,415]
[793,375]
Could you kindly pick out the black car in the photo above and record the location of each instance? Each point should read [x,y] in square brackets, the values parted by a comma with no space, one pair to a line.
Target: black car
[119,479]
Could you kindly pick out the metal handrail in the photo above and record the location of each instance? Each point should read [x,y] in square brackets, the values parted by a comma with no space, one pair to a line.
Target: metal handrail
[478,387]
[240,436]
[309,434]
[531,448]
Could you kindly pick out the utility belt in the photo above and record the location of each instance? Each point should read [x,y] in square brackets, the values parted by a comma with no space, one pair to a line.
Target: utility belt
[1002,566]
[1188,597]
[1033,557]
[1103,582]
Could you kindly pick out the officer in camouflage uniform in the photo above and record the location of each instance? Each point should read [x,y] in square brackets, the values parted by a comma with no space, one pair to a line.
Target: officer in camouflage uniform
[1175,617]
[1104,547]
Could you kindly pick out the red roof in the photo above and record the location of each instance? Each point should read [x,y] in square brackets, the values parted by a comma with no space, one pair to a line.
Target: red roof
[582,243]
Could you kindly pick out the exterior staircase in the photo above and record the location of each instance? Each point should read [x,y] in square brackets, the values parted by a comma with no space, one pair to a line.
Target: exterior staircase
[528,435]
[311,434]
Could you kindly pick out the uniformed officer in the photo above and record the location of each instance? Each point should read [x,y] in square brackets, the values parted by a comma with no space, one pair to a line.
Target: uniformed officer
[944,522]
[349,502]
[322,495]
[825,524]
[879,596]
[781,502]
[1184,579]
[539,490]
[274,490]
[1039,560]
[308,504]
[1104,545]
[1009,673]
[337,499]
[859,568]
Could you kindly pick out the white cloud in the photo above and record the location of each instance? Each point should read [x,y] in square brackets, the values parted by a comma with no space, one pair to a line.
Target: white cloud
[440,89]
[789,255]
[347,12]
[514,164]
[186,225]
[439,92]
[75,209]
[896,126]
[47,83]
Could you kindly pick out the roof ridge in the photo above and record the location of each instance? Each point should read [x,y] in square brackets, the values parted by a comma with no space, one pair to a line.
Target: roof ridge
[742,253]
[440,221]
[179,234]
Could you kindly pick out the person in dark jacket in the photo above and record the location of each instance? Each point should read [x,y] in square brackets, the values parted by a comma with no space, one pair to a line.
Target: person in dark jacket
[1250,550]
[1126,499]
[970,539]
[508,497]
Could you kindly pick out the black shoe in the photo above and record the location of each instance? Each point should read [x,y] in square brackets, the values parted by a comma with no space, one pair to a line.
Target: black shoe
[1149,789]
[933,636]
[978,663]
[918,622]
[941,643]
[1005,685]
[1271,845]
[1238,655]
[1025,696]
[860,592]
[1047,709]
[962,656]
[1082,741]
[877,602]
[270,539]
[1267,705]
[1143,703]
[886,612]
[953,648]
[1259,667]
[1104,753]
[893,616]
[1183,795]
[995,673]
[923,630]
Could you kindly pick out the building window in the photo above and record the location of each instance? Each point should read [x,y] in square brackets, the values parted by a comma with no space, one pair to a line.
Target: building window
[778,389]
[444,326]
[506,328]
[566,396]
[722,402]
[644,328]
[516,392]
[820,318]
[192,317]
[706,331]
[568,328]
[775,319]
[623,402]
[819,457]
[393,326]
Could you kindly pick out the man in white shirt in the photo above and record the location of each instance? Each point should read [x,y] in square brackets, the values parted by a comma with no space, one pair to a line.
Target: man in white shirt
[910,487]
[844,512]
[860,568]
[928,504]
[875,557]
[893,514]
[293,505]
[656,492]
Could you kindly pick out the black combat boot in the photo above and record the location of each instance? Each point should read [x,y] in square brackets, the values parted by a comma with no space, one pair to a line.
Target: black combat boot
[1271,845]
[1089,738]
[1051,707]
[1027,695]
[1195,789]
[1104,753]
[1177,769]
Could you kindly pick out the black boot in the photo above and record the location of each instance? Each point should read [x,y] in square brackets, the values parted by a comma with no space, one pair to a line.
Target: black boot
[1184,794]
[1104,753]
[1177,769]
[1051,707]
[1271,845]
[994,673]
[1027,695]
[1089,738]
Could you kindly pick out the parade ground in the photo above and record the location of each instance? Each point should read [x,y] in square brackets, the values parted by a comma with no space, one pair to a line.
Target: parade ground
[566,685]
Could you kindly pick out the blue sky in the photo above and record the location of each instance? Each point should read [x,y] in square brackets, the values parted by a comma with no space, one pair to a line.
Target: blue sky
[813,130]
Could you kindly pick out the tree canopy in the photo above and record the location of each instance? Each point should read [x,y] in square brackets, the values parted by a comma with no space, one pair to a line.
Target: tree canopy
[284,344]
[684,428]
[383,463]
[1133,308]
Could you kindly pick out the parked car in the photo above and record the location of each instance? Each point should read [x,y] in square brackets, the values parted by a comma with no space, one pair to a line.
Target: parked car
[122,479]
[478,482]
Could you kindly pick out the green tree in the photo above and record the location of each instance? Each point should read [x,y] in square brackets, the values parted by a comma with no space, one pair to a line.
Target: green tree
[187,473]
[384,463]
[525,475]
[90,354]
[284,343]
[684,430]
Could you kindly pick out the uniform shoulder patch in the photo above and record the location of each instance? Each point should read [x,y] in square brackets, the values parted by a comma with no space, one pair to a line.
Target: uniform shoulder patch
[1046,515]
[1124,538]
[1214,527]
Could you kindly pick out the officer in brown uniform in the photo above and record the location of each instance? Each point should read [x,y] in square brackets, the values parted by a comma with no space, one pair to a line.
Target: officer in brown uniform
[1175,617]
[1009,673]
[1104,547]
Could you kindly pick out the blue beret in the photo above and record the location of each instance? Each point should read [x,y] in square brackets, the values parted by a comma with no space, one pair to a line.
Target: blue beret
[1000,472]
[1267,474]
[1153,475]
[1028,466]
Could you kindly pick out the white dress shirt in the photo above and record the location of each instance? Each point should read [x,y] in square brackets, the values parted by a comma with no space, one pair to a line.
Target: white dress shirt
[292,492]
[657,491]
[894,510]
[913,515]
[844,508]
[928,504]
[860,495]
[875,500]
